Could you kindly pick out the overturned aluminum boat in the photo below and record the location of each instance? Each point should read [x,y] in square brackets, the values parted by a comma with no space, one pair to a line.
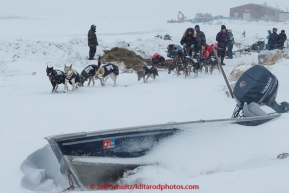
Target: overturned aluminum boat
[103,156]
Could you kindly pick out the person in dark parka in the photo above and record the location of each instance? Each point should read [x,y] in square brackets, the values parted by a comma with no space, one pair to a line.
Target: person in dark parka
[201,39]
[273,38]
[92,41]
[189,40]
[281,40]
[222,39]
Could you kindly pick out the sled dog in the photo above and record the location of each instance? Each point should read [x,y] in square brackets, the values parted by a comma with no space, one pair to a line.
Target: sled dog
[89,73]
[147,70]
[108,70]
[56,77]
[72,77]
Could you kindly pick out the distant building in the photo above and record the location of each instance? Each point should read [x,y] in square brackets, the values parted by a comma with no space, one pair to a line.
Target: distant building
[255,12]
[284,16]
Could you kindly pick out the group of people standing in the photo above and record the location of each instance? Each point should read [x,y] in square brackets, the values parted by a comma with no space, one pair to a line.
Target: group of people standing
[276,41]
[225,39]
[194,40]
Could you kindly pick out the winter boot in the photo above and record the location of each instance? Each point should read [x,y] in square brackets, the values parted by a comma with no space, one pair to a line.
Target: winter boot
[222,61]
[230,55]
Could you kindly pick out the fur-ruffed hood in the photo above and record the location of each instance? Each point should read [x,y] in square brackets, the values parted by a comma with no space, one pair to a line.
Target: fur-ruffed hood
[190,29]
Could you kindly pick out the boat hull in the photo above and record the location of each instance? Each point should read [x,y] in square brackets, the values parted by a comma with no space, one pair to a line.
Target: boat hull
[89,173]
[98,157]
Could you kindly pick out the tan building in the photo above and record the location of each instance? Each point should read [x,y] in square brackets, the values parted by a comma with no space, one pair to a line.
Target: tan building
[284,16]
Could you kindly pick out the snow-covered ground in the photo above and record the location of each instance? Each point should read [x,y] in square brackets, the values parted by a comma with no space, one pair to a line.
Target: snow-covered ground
[219,158]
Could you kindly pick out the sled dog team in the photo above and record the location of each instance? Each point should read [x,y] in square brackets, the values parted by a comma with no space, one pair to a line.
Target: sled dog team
[182,61]
[91,72]
[111,70]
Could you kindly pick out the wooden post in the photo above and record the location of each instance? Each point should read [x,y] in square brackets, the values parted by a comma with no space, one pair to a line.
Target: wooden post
[224,75]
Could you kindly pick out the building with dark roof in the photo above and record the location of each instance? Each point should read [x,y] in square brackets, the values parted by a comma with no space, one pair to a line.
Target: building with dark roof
[254,11]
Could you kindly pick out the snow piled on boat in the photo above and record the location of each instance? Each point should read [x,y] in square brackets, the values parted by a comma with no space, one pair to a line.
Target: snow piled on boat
[41,171]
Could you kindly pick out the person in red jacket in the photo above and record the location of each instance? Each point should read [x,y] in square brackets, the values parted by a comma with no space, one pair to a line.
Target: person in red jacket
[208,51]
[158,59]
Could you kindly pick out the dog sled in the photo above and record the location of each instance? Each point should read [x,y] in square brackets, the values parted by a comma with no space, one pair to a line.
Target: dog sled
[183,60]
[255,47]
[258,46]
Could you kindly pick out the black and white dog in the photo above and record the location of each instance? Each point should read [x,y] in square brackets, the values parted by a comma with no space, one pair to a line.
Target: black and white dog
[210,64]
[56,77]
[89,73]
[148,70]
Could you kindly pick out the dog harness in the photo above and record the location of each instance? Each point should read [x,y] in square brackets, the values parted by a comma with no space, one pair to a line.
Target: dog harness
[213,61]
[57,77]
[89,71]
[110,68]
[150,70]
[75,75]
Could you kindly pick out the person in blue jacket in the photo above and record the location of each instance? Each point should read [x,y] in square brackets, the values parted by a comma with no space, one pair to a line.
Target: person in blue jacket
[174,50]
[230,44]
[268,37]
[273,38]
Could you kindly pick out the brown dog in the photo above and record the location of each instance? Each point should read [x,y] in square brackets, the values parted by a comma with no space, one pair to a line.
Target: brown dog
[72,77]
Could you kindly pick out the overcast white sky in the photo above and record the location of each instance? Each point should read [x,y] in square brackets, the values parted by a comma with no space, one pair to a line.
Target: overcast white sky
[153,9]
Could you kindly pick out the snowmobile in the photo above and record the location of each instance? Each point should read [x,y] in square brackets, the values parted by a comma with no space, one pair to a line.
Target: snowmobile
[103,156]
